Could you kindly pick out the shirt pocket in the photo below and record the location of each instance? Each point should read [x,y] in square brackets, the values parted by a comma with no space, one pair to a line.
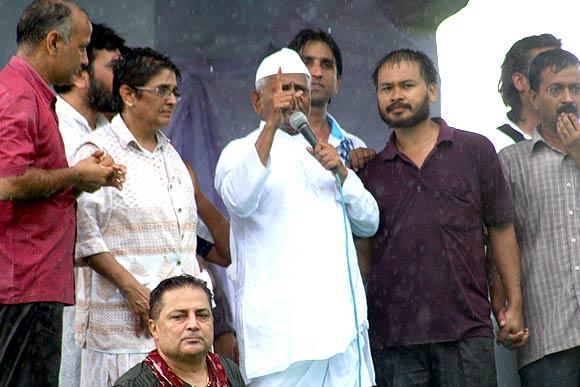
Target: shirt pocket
[455,208]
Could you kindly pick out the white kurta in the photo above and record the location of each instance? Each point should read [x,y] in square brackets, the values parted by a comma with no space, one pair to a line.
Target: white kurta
[293,298]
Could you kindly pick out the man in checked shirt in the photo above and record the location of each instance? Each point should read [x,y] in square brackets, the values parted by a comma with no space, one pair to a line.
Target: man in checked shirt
[544,177]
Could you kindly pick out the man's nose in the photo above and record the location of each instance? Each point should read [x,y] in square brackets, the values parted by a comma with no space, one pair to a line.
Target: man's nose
[192,323]
[315,70]
[397,94]
[567,95]
[84,58]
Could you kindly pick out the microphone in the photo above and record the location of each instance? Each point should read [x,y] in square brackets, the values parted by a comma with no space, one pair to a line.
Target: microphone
[299,122]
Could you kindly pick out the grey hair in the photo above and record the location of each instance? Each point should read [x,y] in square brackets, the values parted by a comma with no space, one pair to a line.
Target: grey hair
[42,16]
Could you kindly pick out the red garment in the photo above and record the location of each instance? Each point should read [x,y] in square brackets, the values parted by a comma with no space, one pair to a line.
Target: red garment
[167,378]
[36,237]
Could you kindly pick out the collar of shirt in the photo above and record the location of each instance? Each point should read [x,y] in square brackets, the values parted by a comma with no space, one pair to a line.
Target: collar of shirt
[538,142]
[65,109]
[517,128]
[445,135]
[126,138]
[32,76]
[336,135]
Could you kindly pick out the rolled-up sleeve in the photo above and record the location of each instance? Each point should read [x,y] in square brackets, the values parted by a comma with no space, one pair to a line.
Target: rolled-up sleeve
[93,214]
[361,206]
[240,177]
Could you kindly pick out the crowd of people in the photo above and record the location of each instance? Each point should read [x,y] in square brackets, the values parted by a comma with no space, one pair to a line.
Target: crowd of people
[350,266]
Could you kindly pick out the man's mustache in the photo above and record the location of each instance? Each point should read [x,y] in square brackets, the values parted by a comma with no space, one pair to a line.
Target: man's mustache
[397,105]
[567,108]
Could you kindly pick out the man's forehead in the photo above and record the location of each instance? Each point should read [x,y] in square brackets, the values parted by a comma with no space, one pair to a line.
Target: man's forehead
[401,68]
[288,78]
[106,53]
[184,298]
[308,50]
[568,74]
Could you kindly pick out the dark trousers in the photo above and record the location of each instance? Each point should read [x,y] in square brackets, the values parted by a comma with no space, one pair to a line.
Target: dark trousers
[560,369]
[30,344]
[465,363]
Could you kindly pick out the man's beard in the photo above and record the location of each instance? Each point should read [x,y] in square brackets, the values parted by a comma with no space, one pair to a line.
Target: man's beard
[100,99]
[420,115]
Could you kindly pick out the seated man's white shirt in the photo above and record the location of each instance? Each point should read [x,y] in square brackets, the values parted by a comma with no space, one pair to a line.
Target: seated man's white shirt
[293,299]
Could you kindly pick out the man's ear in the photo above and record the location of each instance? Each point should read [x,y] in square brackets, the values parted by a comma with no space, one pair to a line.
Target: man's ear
[520,82]
[256,101]
[153,329]
[432,92]
[52,42]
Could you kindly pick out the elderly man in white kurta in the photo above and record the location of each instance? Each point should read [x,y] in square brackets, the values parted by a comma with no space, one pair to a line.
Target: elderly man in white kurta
[294,305]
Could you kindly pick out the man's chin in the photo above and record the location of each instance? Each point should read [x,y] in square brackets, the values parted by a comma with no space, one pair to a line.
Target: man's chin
[289,129]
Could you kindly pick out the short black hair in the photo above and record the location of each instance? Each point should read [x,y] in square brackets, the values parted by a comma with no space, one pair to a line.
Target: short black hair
[180,281]
[518,60]
[102,38]
[426,66]
[316,35]
[136,67]
[41,17]
[556,60]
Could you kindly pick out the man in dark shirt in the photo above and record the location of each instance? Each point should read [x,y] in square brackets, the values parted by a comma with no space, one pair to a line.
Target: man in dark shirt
[436,187]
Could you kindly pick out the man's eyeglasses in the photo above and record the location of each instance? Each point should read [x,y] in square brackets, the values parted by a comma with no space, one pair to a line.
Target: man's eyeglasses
[162,91]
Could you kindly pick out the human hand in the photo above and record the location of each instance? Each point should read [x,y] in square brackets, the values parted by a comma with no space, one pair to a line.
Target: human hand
[285,102]
[328,157]
[357,158]
[138,300]
[99,170]
[512,333]
[568,130]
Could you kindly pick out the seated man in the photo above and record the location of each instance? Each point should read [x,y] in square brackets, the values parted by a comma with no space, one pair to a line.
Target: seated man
[181,322]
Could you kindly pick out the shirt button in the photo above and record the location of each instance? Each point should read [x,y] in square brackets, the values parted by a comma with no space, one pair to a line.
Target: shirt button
[179,210]
[568,184]
[576,267]
[573,240]
[571,212]
[179,263]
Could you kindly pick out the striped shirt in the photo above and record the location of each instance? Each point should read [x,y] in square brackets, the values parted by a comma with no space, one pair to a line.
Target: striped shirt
[545,184]
[36,236]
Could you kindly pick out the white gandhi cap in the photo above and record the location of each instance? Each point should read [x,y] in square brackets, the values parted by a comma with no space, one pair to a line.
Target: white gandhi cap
[287,59]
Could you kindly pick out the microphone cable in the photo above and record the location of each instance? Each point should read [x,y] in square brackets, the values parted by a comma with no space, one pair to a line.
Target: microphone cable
[352,293]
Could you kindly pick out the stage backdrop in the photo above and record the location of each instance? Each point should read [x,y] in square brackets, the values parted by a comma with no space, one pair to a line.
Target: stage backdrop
[218,45]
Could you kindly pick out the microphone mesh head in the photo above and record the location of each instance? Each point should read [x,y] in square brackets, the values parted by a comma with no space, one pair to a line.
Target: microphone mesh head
[297,120]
